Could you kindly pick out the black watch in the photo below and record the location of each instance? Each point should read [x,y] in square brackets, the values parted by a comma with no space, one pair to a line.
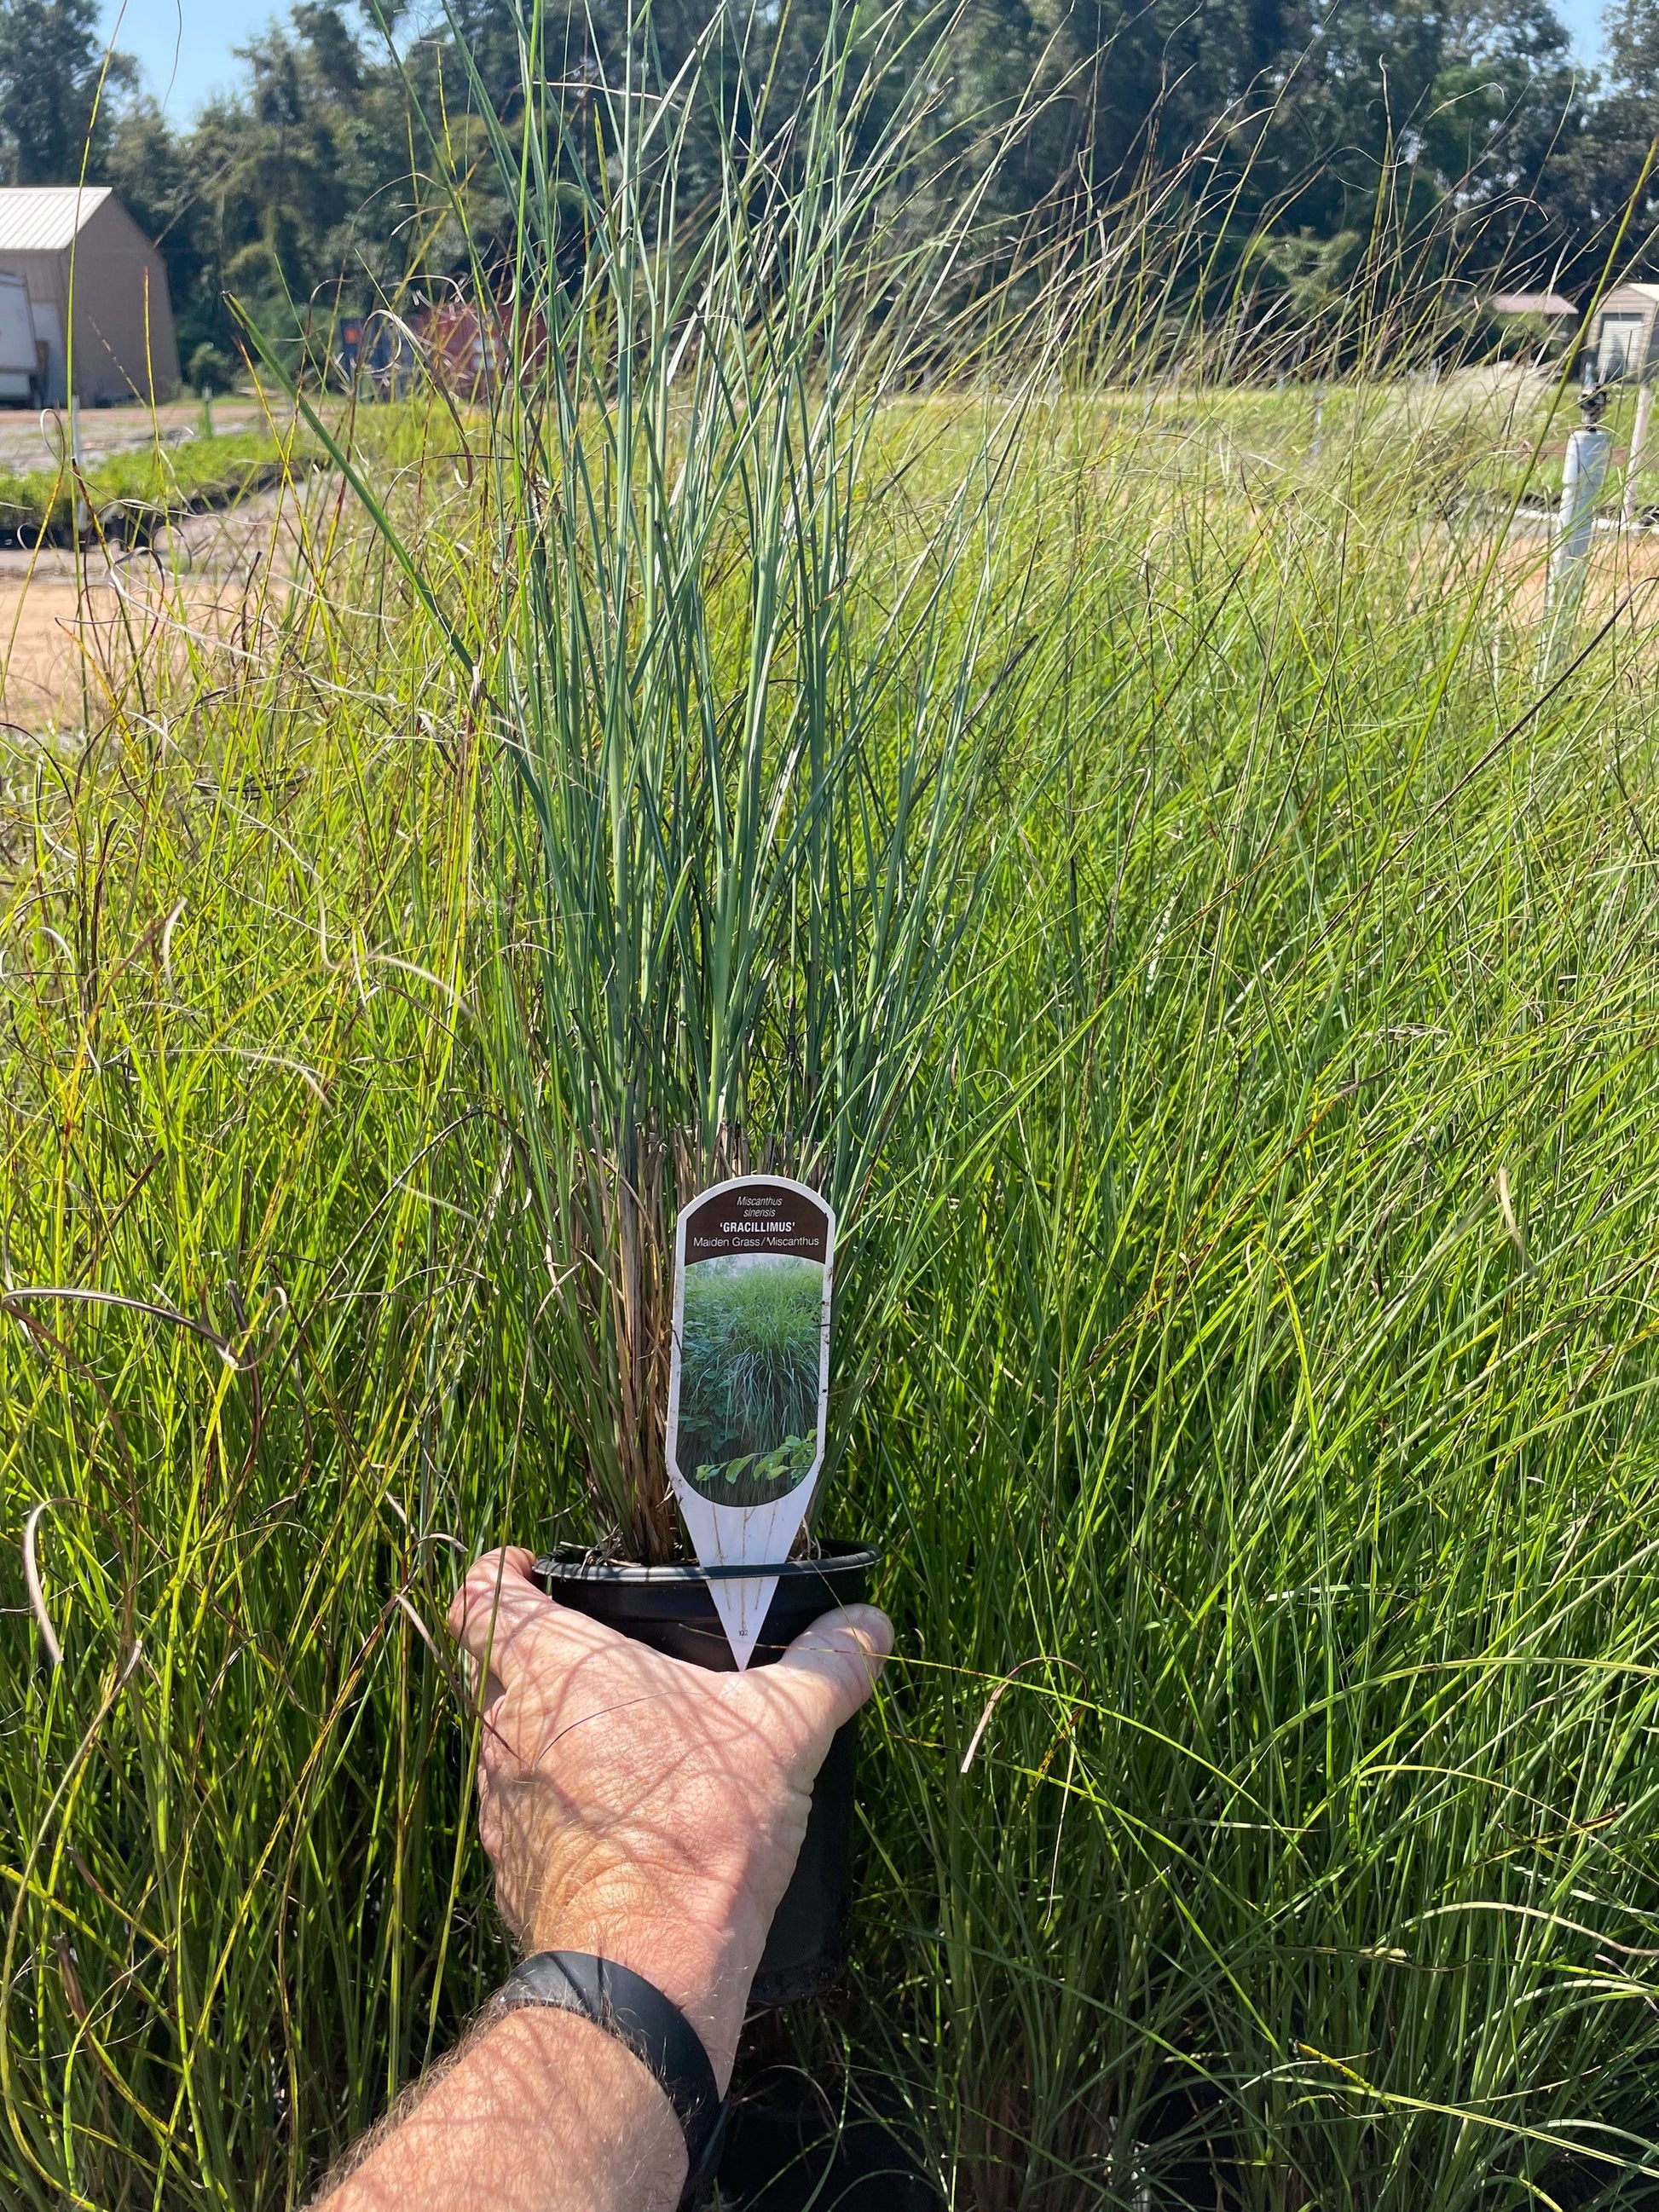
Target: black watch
[625,2005]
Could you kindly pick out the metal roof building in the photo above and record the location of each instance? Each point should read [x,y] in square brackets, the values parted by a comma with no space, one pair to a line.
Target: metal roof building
[98,290]
[1554,307]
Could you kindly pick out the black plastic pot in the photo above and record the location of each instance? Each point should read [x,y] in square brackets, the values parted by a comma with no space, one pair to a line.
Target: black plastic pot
[670,1610]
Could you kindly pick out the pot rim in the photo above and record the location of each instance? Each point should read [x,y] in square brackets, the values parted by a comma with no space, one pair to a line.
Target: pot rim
[835,1556]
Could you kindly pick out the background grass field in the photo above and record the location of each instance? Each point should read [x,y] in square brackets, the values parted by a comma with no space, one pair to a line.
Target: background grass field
[134,494]
[1266,1456]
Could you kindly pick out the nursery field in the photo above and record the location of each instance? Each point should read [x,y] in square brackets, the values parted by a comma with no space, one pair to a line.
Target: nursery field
[1263,1806]
[854,700]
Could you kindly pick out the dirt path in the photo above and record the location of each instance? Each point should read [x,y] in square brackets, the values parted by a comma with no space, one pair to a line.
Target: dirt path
[1620,576]
[72,630]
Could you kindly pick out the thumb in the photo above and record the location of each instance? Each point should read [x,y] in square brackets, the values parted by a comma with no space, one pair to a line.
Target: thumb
[831,1668]
[496,1604]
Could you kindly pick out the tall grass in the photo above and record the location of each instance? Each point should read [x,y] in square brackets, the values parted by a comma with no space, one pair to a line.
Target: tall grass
[1280,1754]
[237,1333]
[736,852]
[1261,1807]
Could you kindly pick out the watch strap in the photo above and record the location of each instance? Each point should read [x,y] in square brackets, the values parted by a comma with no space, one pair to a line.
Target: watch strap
[635,2011]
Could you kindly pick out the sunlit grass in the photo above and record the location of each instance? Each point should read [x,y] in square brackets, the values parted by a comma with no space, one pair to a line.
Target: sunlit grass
[134,494]
[1262,1431]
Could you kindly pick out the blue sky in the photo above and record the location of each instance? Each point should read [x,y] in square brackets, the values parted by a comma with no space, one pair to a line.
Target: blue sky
[1584,21]
[183,47]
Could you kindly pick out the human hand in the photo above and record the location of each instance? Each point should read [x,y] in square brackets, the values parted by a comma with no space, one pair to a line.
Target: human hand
[642,1810]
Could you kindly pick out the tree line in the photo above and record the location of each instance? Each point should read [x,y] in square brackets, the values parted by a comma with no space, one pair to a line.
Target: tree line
[1297,129]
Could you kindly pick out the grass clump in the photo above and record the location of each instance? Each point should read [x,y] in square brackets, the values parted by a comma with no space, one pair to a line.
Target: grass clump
[734,850]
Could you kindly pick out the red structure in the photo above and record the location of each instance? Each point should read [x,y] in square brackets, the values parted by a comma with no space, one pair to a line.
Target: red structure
[470,348]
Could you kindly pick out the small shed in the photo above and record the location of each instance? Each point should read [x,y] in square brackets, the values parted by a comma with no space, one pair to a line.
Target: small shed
[1550,315]
[1621,341]
[98,290]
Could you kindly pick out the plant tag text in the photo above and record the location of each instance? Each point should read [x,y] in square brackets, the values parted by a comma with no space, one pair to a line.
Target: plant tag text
[749,1385]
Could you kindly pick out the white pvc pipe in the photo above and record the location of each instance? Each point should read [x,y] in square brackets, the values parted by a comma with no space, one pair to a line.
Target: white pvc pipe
[1582,480]
[1638,439]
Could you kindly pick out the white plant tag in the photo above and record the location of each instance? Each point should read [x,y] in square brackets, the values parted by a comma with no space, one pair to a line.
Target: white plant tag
[749,1385]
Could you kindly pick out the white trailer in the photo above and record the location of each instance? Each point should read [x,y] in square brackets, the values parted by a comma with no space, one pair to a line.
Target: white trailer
[22,376]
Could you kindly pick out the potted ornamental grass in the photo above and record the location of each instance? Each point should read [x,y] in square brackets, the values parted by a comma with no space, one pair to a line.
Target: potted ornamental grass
[741,717]
[736,858]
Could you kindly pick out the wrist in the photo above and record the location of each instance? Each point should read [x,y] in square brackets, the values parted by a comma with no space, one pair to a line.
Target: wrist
[628,2126]
[701,1960]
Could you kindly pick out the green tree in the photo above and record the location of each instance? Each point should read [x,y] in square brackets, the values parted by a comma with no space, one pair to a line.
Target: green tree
[56,89]
[1288,137]
[1599,184]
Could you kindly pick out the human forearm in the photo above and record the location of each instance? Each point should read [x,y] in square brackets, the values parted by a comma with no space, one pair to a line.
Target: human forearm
[639,1811]
[542,2112]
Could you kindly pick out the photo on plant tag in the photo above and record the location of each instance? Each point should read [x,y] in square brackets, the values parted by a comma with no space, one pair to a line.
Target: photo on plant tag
[749,1376]
[748,1400]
